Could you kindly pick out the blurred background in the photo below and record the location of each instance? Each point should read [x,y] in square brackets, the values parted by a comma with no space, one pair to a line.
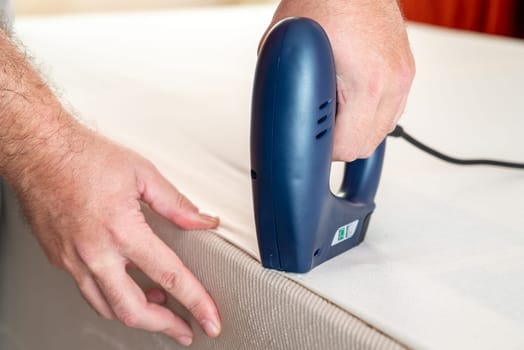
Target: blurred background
[500,17]
[64,6]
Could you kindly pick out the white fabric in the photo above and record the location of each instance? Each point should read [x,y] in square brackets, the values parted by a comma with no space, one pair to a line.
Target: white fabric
[442,263]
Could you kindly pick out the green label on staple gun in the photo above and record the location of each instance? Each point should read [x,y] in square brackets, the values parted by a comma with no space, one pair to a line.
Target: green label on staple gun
[345,232]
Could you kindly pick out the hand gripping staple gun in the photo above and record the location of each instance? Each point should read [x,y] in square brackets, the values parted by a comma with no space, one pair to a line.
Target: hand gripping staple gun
[300,223]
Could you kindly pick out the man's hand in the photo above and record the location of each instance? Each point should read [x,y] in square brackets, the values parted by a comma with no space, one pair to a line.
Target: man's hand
[85,212]
[81,194]
[374,66]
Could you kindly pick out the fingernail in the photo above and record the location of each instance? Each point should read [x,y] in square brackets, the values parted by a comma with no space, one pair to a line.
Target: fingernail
[184,340]
[211,329]
[212,220]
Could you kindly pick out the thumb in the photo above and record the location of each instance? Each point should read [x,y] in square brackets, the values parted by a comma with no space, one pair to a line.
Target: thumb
[167,201]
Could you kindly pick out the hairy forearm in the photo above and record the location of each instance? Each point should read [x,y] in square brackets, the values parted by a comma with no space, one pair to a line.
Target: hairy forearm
[35,130]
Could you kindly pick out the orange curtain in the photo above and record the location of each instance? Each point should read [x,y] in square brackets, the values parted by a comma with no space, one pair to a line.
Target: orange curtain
[489,16]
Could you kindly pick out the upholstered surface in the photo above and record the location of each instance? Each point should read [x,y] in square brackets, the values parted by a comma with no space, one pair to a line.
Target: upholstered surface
[441,265]
[40,308]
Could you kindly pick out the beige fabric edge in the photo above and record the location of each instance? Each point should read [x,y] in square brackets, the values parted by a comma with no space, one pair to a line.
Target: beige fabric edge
[40,308]
[263,309]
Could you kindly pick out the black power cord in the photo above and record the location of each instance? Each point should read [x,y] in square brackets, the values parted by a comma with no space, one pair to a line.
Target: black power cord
[399,132]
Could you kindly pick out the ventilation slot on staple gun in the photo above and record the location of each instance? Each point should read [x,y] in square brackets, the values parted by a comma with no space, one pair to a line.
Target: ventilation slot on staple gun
[325,104]
[321,134]
[323,119]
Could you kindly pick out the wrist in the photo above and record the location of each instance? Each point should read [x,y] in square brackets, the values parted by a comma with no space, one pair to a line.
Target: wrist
[36,132]
[38,143]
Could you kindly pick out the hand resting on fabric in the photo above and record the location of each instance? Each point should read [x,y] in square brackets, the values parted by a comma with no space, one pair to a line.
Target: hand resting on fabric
[81,194]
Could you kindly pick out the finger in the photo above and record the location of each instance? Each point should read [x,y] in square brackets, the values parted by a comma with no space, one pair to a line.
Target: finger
[383,123]
[353,126]
[92,294]
[153,294]
[388,113]
[88,287]
[164,267]
[166,200]
[131,307]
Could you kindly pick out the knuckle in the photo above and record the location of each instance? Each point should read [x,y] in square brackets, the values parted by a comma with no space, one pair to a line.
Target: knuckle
[57,253]
[85,253]
[382,130]
[129,318]
[379,137]
[405,75]
[63,261]
[119,237]
[66,260]
[120,240]
[96,268]
[93,260]
[170,280]
[129,215]
[375,83]
[392,124]
[348,155]
[136,244]
[372,146]
[114,296]
[83,284]
[347,151]
[372,143]
[366,153]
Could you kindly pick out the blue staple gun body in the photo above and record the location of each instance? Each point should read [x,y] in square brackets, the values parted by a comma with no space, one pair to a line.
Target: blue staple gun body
[300,223]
